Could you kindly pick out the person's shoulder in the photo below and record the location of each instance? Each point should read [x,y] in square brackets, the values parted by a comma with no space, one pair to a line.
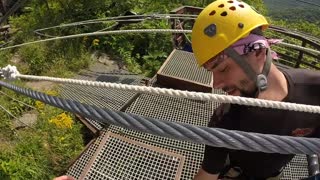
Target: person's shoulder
[304,86]
[302,76]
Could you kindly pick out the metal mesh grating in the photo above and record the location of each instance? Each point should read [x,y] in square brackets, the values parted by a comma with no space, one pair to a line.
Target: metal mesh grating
[100,97]
[193,153]
[123,158]
[76,169]
[296,169]
[163,141]
[183,110]
[94,123]
[173,109]
[183,65]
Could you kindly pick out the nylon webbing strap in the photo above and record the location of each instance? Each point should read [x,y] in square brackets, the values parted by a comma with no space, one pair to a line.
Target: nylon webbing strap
[267,64]
[261,79]
[242,63]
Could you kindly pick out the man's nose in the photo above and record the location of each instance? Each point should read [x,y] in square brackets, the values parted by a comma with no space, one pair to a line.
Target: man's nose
[217,81]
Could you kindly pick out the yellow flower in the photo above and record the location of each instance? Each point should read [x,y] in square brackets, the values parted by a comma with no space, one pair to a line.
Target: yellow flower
[39,105]
[62,121]
[85,39]
[95,42]
[52,93]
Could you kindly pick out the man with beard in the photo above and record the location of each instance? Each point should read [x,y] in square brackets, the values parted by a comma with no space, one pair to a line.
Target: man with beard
[227,40]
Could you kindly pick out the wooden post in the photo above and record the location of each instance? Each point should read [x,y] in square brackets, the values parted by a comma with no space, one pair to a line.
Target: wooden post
[300,57]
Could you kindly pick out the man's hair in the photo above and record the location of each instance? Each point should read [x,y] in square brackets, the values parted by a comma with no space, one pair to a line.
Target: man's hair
[257,31]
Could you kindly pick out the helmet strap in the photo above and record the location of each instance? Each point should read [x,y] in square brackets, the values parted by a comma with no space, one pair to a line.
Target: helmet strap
[259,79]
[262,82]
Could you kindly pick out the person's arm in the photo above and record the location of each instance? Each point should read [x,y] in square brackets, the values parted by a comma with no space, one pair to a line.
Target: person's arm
[203,175]
[64,178]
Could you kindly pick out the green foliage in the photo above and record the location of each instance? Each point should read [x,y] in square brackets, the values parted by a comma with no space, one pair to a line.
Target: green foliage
[55,58]
[15,108]
[292,11]
[5,56]
[35,56]
[141,52]
[300,25]
[39,153]
[305,29]
[297,15]
[258,5]
[43,152]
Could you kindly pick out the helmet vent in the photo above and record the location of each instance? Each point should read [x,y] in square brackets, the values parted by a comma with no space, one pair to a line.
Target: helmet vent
[224,13]
[232,8]
[221,6]
[241,5]
[212,13]
[230,1]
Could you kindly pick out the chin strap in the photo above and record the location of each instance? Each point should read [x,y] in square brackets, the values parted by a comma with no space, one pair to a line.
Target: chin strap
[262,81]
[259,79]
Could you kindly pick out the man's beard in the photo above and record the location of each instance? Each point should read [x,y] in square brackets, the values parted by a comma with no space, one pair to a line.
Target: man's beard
[243,92]
[247,93]
[251,94]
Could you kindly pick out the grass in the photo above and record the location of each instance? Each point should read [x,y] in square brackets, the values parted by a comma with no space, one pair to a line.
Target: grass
[44,151]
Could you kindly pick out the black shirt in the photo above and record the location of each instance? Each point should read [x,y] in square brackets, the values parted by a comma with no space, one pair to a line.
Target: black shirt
[303,88]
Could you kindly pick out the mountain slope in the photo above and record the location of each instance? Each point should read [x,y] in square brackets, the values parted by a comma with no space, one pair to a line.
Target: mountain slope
[294,10]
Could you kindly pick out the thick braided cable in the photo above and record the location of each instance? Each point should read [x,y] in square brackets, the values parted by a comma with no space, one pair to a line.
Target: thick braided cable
[185,132]
[182,94]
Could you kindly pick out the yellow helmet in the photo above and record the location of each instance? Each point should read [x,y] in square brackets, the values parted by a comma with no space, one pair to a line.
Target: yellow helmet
[221,24]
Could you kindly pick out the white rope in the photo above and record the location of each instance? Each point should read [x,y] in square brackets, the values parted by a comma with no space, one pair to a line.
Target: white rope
[9,72]
[175,93]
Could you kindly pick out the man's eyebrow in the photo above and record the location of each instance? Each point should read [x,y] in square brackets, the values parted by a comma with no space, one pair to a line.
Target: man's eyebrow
[216,63]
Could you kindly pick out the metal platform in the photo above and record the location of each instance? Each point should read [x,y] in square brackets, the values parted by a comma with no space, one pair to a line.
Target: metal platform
[89,164]
[172,109]
[180,71]
[81,163]
[168,108]
[193,153]
[118,157]
[101,97]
